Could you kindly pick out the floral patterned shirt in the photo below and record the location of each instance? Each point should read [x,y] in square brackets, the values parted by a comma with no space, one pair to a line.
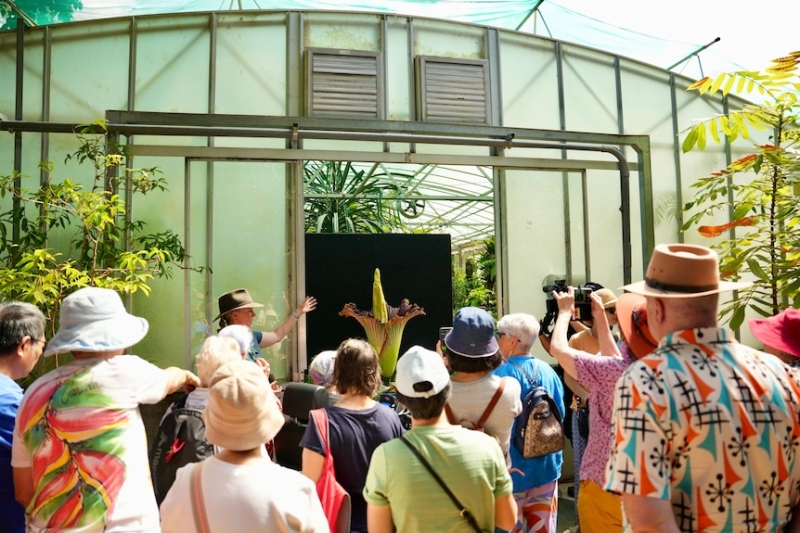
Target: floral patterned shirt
[712,426]
[599,373]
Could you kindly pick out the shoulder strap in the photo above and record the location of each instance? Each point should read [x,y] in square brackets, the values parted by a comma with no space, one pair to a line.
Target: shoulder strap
[449,413]
[524,373]
[463,511]
[320,417]
[489,408]
[198,504]
[180,403]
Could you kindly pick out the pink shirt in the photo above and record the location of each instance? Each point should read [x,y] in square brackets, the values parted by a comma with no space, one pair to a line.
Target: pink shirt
[599,373]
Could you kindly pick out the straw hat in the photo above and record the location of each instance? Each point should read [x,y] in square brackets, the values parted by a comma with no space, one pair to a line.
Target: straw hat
[242,412]
[683,271]
[95,320]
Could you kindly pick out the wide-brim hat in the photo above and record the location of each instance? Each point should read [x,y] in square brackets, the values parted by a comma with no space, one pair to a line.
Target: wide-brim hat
[473,334]
[235,299]
[95,320]
[242,412]
[683,271]
[632,317]
[781,331]
[607,296]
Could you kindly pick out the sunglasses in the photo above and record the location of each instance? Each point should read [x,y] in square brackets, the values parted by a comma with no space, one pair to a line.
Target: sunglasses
[612,310]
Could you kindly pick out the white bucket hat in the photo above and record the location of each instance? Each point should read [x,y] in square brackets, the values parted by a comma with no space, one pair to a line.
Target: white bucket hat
[95,320]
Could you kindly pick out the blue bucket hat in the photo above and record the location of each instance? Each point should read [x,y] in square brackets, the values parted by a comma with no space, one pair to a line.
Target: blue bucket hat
[472,334]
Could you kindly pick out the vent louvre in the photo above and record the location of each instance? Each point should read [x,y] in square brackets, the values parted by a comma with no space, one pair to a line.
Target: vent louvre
[344,83]
[453,90]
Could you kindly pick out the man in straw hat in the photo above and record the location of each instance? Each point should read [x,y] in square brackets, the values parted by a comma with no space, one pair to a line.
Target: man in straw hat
[239,489]
[80,452]
[705,429]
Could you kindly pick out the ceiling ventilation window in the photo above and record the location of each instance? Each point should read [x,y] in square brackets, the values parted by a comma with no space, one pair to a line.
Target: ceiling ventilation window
[453,90]
[344,83]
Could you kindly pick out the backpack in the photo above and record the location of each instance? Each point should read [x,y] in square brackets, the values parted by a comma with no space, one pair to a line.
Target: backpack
[539,430]
[486,412]
[180,440]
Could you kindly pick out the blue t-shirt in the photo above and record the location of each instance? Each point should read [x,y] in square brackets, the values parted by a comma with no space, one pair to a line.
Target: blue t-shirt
[255,349]
[12,513]
[539,470]
[353,436]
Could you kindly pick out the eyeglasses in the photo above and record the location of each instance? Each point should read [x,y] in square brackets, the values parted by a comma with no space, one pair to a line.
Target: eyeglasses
[612,310]
[501,334]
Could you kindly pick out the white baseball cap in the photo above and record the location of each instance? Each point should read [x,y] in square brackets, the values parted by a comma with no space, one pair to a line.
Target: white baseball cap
[421,373]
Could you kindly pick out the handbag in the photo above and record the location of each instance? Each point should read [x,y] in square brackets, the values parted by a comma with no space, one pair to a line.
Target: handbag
[463,511]
[335,500]
[198,505]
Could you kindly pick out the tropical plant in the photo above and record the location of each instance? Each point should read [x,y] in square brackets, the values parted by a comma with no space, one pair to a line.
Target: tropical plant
[343,199]
[58,236]
[384,325]
[475,285]
[759,189]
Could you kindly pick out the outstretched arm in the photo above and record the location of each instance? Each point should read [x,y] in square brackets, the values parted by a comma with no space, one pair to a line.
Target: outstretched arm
[268,338]
[179,378]
[559,345]
[607,344]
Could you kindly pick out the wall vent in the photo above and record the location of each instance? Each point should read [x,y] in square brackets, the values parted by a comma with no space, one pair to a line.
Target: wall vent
[344,83]
[453,90]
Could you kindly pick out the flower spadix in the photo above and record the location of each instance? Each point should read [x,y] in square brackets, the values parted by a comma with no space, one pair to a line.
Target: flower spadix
[384,325]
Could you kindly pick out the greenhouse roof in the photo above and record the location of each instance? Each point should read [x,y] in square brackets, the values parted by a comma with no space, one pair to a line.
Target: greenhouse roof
[541,17]
[456,200]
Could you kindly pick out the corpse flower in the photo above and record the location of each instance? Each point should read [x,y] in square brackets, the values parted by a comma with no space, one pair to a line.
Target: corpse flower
[384,325]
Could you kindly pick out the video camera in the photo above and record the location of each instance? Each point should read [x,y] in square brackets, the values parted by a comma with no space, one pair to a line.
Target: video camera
[583,303]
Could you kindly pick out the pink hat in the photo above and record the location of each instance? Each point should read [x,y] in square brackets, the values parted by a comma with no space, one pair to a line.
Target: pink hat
[781,331]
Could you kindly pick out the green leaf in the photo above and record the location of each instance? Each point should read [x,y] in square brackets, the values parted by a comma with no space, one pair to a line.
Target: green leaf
[691,138]
[757,164]
[701,138]
[756,269]
[737,318]
[712,127]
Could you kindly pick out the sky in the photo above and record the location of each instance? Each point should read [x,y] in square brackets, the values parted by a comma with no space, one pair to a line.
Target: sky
[751,33]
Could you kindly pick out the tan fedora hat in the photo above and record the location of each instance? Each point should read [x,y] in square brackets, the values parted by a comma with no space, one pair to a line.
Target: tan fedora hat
[683,271]
[235,299]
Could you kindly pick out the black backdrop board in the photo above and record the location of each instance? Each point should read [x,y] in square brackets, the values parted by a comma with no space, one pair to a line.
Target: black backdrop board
[340,268]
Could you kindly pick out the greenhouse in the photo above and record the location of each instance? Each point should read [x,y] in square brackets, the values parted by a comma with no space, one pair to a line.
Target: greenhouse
[450,153]
[559,151]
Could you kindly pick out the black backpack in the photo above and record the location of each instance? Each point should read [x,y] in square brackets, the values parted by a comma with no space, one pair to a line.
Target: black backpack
[539,430]
[180,440]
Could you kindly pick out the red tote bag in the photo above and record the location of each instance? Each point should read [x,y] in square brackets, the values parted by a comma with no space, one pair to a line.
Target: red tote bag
[335,500]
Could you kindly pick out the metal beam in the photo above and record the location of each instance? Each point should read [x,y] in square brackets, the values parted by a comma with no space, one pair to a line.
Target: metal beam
[284,154]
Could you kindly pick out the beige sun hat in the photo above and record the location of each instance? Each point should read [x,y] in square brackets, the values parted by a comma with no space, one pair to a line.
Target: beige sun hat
[242,412]
[683,271]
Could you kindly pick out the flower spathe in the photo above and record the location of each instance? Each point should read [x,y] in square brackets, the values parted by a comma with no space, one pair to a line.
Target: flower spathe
[384,334]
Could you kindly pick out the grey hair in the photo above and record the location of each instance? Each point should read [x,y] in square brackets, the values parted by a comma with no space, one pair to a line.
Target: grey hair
[523,326]
[241,334]
[215,352]
[17,321]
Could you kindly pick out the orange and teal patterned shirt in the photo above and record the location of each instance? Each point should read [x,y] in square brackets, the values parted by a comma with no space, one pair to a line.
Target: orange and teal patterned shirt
[80,432]
[712,426]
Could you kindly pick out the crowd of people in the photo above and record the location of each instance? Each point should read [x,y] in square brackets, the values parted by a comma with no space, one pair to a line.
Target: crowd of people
[683,429]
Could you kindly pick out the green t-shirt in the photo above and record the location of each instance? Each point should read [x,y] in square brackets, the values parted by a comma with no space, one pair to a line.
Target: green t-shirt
[470,463]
